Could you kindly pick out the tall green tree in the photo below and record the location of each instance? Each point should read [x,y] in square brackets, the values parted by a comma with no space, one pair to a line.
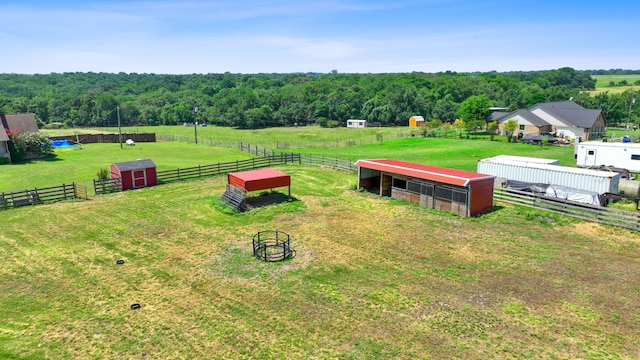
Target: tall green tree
[475,108]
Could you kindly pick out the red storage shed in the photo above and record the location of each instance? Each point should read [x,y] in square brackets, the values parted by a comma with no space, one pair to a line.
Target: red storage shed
[259,180]
[135,174]
[461,192]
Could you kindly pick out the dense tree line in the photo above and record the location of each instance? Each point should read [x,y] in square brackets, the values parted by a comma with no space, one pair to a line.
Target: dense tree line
[266,100]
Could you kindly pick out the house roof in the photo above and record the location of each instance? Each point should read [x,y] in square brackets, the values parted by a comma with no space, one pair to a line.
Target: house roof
[496,115]
[565,112]
[135,165]
[570,113]
[526,114]
[417,118]
[21,123]
[426,172]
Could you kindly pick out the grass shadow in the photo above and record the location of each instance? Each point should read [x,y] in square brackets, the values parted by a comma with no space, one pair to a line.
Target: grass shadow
[266,199]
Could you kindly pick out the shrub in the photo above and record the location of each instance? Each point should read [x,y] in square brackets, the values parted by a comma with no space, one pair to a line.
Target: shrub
[333,123]
[103,174]
[31,144]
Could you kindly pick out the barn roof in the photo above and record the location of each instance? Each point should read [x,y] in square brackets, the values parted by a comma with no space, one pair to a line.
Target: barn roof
[426,172]
[259,179]
[135,165]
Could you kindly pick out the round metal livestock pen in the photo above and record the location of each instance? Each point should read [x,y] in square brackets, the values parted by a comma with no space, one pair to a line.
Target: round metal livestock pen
[272,245]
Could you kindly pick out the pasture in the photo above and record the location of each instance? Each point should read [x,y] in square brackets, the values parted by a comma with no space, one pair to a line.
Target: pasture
[603,83]
[81,166]
[373,278]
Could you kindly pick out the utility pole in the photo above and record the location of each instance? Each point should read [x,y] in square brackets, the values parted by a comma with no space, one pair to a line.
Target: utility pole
[631,102]
[119,129]
[195,122]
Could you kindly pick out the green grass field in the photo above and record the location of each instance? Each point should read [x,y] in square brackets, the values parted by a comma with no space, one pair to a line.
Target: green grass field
[373,278]
[81,166]
[603,83]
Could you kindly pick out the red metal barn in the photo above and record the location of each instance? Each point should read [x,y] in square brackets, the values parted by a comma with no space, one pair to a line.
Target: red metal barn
[135,174]
[461,192]
[259,180]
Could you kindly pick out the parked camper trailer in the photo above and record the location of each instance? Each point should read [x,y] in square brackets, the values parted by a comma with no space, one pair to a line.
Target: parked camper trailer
[620,155]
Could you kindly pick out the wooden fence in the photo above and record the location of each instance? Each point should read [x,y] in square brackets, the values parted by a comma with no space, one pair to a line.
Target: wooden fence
[603,215]
[306,159]
[34,196]
[165,176]
[106,138]
[287,144]
[106,186]
[203,141]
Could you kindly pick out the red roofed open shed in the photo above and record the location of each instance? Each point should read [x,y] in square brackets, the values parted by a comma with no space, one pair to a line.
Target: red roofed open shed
[259,180]
[462,192]
[135,174]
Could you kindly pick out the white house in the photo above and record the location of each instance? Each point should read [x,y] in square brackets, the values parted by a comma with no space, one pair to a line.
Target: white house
[351,123]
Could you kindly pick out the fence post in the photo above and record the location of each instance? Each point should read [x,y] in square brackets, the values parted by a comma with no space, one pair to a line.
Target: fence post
[199,171]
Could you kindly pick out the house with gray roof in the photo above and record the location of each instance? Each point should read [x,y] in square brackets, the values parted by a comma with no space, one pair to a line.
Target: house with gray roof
[566,119]
[4,144]
[16,124]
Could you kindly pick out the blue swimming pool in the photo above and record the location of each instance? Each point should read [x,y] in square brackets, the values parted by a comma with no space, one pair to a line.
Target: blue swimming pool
[61,144]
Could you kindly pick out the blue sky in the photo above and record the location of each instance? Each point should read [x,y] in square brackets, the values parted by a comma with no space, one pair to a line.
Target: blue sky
[285,36]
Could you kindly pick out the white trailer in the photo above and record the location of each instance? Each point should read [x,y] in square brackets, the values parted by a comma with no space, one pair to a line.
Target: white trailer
[620,155]
[583,179]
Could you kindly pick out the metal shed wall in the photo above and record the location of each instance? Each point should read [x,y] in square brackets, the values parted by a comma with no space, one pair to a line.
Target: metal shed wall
[585,179]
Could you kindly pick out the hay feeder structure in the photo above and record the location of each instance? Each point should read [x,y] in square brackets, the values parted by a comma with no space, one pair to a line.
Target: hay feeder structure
[241,183]
[272,246]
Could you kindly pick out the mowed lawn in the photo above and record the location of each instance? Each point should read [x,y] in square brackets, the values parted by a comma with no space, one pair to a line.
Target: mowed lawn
[373,278]
[82,165]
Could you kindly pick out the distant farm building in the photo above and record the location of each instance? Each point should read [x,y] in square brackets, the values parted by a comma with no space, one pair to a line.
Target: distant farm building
[416,121]
[351,123]
[461,192]
[135,174]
